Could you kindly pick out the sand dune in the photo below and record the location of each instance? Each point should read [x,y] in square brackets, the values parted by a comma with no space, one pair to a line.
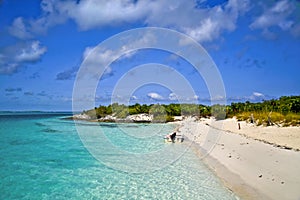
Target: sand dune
[251,168]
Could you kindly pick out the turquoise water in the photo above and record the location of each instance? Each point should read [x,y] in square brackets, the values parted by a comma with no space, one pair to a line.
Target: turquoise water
[42,157]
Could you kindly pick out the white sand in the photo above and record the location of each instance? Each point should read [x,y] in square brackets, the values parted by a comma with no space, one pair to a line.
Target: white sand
[285,137]
[251,168]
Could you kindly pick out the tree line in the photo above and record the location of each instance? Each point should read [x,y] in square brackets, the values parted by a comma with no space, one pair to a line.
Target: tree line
[161,112]
[285,107]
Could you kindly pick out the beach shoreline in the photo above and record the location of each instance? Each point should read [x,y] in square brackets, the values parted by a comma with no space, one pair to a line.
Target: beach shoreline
[248,166]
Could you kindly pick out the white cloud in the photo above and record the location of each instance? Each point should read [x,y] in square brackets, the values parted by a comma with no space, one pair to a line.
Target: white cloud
[257,94]
[173,96]
[277,15]
[218,98]
[14,57]
[182,97]
[129,54]
[133,97]
[95,13]
[254,97]
[31,53]
[53,13]
[155,96]
[202,23]
[19,30]
[96,58]
[216,20]
[205,32]
[8,68]
[281,6]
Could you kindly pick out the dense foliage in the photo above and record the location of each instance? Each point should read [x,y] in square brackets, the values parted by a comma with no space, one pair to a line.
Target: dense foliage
[284,110]
[160,112]
[283,105]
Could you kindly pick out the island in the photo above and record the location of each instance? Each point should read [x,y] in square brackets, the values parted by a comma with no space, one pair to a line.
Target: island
[284,111]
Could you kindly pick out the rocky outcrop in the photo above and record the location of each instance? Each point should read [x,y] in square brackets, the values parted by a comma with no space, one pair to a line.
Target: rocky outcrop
[178,118]
[144,117]
[108,118]
[138,118]
[81,116]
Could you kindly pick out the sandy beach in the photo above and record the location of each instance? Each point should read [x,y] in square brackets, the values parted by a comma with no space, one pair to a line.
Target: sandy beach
[254,162]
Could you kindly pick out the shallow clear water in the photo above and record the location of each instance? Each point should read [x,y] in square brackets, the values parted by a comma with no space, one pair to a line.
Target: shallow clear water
[42,157]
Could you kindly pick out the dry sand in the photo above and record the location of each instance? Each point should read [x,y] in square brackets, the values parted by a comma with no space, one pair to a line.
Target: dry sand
[251,168]
[284,137]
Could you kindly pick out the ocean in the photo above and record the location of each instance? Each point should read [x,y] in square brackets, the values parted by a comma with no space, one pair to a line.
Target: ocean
[44,156]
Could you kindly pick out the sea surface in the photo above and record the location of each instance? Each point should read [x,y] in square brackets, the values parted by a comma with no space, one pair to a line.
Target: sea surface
[42,156]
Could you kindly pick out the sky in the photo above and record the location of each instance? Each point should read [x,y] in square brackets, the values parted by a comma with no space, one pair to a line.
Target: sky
[45,45]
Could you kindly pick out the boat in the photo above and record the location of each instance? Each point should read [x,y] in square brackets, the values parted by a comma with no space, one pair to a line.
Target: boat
[177,139]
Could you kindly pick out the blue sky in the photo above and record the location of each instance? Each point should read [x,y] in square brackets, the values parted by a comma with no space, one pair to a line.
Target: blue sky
[254,44]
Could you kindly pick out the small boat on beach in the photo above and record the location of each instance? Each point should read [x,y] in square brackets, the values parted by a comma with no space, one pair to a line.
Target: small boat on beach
[173,138]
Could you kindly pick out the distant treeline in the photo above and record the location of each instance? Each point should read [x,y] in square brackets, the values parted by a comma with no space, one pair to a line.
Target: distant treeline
[286,110]
[160,112]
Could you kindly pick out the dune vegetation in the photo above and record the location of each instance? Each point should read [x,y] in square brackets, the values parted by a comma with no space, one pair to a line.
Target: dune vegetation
[284,111]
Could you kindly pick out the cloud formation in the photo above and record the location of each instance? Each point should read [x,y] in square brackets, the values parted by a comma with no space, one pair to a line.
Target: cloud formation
[19,29]
[154,96]
[173,97]
[279,15]
[254,97]
[201,22]
[67,74]
[97,59]
[274,16]
[16,56]
[31,53]
[133,97]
